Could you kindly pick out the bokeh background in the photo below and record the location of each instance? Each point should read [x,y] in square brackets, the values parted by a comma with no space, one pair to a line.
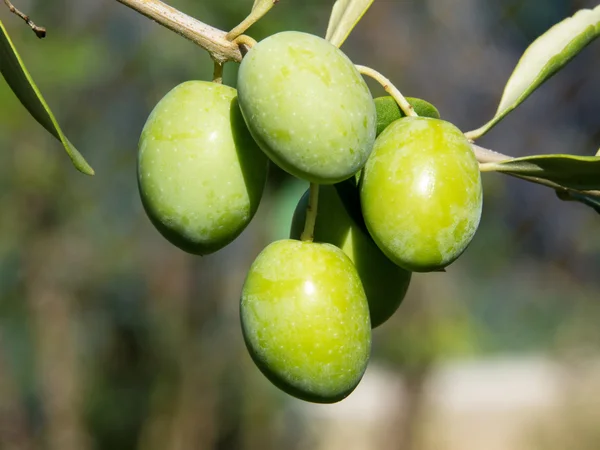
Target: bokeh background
[111,338]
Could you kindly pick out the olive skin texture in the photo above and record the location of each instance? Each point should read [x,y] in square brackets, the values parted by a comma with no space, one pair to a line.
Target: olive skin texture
[307,106]
[200,173]
[421,193]
[305,320]
[384,282]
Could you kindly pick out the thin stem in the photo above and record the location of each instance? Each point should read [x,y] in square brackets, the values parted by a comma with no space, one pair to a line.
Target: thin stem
[40,32]
[476,134]
[390,89]
[245,40]
[260,8]
[211,39]
[311,214]
[218,73]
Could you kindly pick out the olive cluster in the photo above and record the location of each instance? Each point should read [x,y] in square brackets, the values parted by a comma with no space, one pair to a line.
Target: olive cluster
[308,306]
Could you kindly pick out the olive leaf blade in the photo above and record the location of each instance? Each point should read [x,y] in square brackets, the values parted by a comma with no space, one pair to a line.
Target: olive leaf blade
[581,173]
[588,200]
[20,81]
[544,58]
[344,17]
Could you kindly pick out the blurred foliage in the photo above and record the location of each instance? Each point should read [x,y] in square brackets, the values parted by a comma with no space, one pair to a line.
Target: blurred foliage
[110,338]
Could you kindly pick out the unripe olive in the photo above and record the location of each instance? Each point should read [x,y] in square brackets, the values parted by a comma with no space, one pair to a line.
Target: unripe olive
[307,106]
[421,193]
[388,110]
[384,282]
[305,320]
[200,173]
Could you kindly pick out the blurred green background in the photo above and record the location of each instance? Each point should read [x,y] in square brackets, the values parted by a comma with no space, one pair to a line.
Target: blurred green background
[111,338]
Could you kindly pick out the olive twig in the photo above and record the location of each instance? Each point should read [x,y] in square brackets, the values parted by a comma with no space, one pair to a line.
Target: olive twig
[260,9]
[40,32]
[390,89]
[311,214]
[209,38]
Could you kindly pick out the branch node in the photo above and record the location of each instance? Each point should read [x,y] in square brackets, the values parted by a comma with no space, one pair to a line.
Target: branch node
[40,32]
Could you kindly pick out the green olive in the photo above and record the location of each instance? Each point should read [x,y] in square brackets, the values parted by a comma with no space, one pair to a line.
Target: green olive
[421,193]
[305,320]
[200,174]
[307,106]
[384,282]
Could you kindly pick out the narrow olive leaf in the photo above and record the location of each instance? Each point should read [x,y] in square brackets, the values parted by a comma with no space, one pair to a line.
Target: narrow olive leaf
[344,17]
[21,83]
[588,200]
[543,58]
[581,173]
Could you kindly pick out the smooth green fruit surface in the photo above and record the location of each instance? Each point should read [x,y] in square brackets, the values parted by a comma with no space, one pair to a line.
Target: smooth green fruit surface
[388,110]
[200,174]
[307,106]
[384,282]
[305,320]
[421,193]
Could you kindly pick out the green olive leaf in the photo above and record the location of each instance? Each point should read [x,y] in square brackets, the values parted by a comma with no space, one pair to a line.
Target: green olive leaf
[21,83]
[344,17]
[388,110]
[581,173]
[588,200]
[543,58]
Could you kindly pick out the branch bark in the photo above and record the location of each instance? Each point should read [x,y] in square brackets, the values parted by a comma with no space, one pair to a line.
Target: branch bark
[211,39]
[40,32]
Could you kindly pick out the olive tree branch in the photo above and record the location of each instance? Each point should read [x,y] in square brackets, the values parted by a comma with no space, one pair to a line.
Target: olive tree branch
[209,38]
[311,214]
[40,32]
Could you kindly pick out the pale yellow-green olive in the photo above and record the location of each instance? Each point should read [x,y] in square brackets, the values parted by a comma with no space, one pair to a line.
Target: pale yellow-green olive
[200,173]
[307,106]
[305,320]
[421,193]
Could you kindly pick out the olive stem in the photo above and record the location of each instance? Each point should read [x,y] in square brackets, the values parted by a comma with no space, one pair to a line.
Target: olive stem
[40,32]
[218,73]
[476,134]
[209,38]
[260,8]
[245,40]
[311,214]
[390,89]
